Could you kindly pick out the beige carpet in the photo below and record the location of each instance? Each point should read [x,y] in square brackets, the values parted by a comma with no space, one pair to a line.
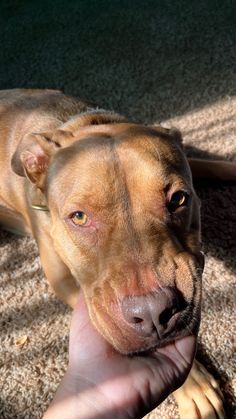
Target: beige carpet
[29,375]
[151,60]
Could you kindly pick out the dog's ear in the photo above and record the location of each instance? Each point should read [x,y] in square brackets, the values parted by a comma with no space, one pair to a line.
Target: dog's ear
[177,136]
[32,157]
[69,130]
[171,133]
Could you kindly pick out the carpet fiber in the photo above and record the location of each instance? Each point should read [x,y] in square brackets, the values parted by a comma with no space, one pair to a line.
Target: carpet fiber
[153,61]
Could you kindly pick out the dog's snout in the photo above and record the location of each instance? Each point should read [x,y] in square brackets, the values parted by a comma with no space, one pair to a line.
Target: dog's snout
[154,313]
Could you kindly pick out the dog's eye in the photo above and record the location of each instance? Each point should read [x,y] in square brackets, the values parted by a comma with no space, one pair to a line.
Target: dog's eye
[178,199]
[79,218]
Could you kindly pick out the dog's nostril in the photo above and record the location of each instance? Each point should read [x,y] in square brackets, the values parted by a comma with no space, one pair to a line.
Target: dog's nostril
[154,314]
[179,305]
[137,320]
[166,315]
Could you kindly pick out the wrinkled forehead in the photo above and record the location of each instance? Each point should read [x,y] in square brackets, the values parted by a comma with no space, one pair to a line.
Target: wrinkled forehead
[102,170]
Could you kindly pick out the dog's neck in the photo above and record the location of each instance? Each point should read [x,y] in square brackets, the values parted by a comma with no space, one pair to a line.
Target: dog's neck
[37,200]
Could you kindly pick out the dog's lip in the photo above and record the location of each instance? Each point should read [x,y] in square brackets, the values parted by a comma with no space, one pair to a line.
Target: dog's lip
[149,350]
[148,345]
[187,323]
[181,329]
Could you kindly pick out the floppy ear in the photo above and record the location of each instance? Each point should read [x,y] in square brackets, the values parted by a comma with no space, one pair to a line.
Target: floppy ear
[88,119]
[176,135]
[171,133]
[32,157]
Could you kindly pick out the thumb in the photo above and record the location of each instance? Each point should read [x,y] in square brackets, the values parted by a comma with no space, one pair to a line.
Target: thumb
[85,340]
[187,348]
[181,353]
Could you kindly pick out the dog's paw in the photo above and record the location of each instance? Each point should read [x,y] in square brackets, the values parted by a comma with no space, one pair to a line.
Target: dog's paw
[200,396]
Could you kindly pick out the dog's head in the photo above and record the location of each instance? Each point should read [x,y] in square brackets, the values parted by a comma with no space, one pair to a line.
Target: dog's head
[125,220]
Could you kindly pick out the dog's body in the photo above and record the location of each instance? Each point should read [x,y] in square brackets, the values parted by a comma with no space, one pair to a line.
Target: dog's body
[113,210]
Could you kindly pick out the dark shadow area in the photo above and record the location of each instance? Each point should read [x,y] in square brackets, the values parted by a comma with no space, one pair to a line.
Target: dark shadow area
[192,151]
[11,263]
[218,212]
[8,410]
[150,60]
[219,215]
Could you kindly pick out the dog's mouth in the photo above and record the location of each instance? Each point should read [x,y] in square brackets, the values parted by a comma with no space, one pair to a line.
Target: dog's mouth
[185,325]
[139,317]
[139,337]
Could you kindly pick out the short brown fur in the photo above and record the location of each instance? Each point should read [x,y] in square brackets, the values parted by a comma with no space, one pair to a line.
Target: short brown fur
[66,155]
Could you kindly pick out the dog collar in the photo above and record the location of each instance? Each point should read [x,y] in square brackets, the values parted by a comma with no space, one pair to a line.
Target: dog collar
[40,207]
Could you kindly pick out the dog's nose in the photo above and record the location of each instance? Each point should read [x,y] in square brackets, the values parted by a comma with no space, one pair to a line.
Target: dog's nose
[154,313]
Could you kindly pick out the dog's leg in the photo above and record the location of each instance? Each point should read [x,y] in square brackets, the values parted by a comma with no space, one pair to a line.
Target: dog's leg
[213,169]
[200,396]
[57,273]
[12,221]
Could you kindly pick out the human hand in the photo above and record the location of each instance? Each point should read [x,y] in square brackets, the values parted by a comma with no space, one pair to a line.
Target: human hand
[101,383]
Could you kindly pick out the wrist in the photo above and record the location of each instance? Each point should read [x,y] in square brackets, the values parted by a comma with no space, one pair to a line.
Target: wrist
[76,398]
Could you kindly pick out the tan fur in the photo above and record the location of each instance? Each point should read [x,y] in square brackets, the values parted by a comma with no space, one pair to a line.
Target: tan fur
[59,152]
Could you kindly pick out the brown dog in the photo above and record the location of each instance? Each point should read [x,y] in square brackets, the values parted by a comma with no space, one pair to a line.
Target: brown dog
[112,207]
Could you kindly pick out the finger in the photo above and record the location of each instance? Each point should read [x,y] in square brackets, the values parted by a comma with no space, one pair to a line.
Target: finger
[80,318]
[180,352]
[80,307]
[85,339]
[187,348]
